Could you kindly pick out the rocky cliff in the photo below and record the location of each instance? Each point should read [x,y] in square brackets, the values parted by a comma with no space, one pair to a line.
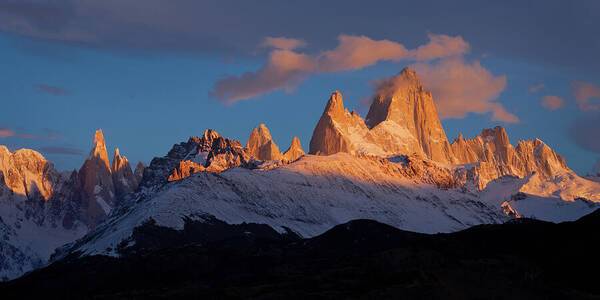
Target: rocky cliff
[493,156]
[261,146]
[97,187]
[294,152]
[402,119]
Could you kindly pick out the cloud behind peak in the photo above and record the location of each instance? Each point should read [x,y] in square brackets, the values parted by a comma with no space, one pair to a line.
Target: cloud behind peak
[285,68]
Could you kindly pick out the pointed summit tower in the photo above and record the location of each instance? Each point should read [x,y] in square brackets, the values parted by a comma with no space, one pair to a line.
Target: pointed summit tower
[95,179]
[294,152]
[333,131]
[402,120]
[261,145]
[403,101]
[99,152]
[122,175]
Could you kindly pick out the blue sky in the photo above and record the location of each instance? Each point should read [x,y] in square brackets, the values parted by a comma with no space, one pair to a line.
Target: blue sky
[151,92]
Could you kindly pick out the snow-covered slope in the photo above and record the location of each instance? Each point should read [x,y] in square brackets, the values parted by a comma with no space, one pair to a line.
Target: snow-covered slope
[397,167]
[309,197]
[42,209]
[35,216]
[566,197]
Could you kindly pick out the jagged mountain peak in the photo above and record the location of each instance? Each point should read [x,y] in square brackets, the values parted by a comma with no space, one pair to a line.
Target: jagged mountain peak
[408,72]
[296,142]
[497,134]
[295,150]
[27,173]
[96,182]
[99,151]
[123,178]
[119,161]
[261,146]
[395,96]
[403,100]
[210,134]
[335,105]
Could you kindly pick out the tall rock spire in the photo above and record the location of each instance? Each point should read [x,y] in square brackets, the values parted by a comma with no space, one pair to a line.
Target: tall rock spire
[261,145]
[294,152]
[122,175]
[97,187]
[99,151]
[403,100]
[402,120]
[332,133]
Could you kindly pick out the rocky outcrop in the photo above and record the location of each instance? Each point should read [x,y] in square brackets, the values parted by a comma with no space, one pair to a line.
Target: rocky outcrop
[185,169]
[493,156]
[26,172]
[402,120]
[403,100]
[122,175]
[294,152]
[261,146]
[210,152]
[225,154]
[339,130]
[39,211]
[97,187]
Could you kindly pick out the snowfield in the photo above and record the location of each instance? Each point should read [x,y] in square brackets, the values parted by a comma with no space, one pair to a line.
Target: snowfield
[316,193]
[308,196]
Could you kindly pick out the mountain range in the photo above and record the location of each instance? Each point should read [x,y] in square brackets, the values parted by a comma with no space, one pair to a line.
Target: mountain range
[396,167]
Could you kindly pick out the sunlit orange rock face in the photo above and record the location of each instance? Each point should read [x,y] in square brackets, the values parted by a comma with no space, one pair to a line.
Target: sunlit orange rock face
[493,156]
[261,146]
[26,172]
[123,178]
[208,153]
[404,101]
[103,184]
[403,120]
[96,181]
[213,153]
[185,169]
[294,152]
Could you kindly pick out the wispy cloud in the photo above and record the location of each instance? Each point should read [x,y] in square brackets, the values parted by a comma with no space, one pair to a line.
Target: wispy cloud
[61,150]
[286,68]
[552,102]
[48,134]
[11,133]
[283,71]
[51,90]
[460,87]
[357,52]
[587,95]
[6,132]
